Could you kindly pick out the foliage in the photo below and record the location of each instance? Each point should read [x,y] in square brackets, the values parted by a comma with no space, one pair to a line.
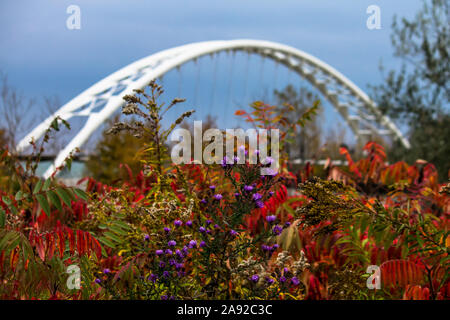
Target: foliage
[223,231]
[111,151]
[303,143]
[418,94]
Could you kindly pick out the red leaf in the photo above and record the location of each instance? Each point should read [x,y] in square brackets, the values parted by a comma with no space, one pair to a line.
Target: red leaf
[80,242]
[71,237]
[61,244]
[401,273]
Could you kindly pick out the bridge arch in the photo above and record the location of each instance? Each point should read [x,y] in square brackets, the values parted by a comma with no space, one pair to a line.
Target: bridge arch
[102,99]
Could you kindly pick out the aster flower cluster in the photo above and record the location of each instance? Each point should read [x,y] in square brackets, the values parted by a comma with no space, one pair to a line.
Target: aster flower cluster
[171,257]
[104,277]
[170,262]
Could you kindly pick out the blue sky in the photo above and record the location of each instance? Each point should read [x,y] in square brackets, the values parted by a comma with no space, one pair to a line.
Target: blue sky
[43,58]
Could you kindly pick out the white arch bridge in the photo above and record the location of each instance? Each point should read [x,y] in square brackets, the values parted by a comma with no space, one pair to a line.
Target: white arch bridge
[101,100]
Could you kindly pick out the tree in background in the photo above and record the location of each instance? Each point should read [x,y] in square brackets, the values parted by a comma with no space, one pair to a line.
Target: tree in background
[111,151]
[293,103]
[18,115]
[418,94]
[13,108]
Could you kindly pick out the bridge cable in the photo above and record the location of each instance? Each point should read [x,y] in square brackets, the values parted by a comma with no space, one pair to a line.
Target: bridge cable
[228,100]
[180,79]
[197,62]
[213,89]
[261,73]
[246,78]
[275,81]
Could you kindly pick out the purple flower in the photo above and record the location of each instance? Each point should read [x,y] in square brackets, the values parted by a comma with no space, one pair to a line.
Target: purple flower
[257,152]
[255,278]
[236,159]
[146,237]
[257,196]
[185,250]
[178,223]
[271,193]
[203,201]
[169,252]
[179,253]
[248,188]
[268,160]
[285,270]
[237,194]
[233,233]
[274,247]
[208,222]
[259,204]
[225,162]
[271,219]
[164,297]
[216,226]
[287,224]
[202,229]
[166,274]
[159,252]
[162,264]
[172,262]
[153,277]
[106,271]
[179,266]
[218,196]
[167,230]
[265,247]
[277,230]
[213,187]
[282,279]
[269,281]
[98,281]
[192,244]
[202,244]
[189,223]
[242,150]
[172,243]
[295,281]
[271,172]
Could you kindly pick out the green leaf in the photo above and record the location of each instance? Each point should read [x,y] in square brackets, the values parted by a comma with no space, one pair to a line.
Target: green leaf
[19,195]
[44,203]
[64,196]
[55,124]
[54,199]
[37,187]
[106,242]
[81,194]
[118,230]
[112,236]
[47,184]
[10,205]
[122,224]
[69,163]
[71,194]
[2,218]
